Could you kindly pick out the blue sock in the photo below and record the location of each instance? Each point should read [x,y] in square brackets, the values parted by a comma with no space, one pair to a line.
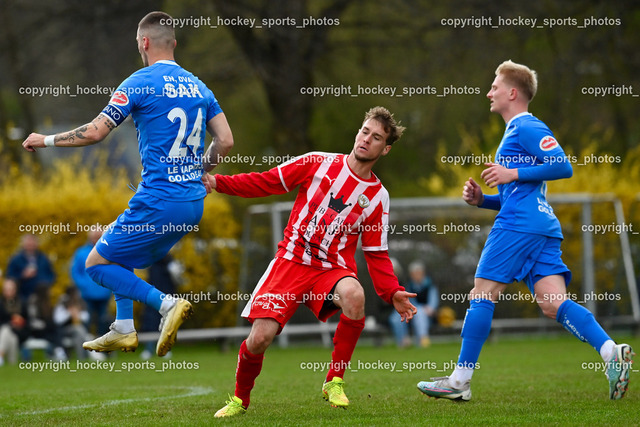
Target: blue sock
[124,307]
[581,323]
[125,283]
[475,331]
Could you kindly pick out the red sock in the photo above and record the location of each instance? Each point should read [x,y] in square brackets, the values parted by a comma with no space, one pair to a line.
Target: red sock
[344,342]
[249,367]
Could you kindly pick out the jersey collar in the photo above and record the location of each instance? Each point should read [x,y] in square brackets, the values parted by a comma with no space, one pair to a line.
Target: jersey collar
[525,113]
[165,61]
[373,180]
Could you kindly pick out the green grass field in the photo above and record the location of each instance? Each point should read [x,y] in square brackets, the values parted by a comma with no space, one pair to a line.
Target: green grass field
[535,381]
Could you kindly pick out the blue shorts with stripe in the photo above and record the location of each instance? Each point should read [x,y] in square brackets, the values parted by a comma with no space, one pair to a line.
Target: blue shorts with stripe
[510,256]
[148,229]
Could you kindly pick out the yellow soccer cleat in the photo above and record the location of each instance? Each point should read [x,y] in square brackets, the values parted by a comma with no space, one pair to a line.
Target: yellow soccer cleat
[113,340]
[233,407]
[333,392]
[170,323]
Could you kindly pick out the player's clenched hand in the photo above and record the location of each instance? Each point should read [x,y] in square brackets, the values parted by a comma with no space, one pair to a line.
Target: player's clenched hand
[403,306]
[33,141]
[496,174]
[472,193]
[209,182]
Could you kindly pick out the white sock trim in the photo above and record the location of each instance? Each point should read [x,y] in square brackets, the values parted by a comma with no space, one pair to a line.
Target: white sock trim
[608,350]
[167,303]
[460,376]
[124,326]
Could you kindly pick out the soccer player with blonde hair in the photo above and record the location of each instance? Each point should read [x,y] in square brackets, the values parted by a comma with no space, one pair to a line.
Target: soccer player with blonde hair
[524,242]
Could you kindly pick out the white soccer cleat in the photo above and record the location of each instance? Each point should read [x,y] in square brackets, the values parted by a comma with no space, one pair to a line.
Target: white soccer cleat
[441,387]
[618,369]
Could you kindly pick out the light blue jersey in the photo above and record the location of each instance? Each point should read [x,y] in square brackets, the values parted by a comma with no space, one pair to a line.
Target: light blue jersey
[170,108]
[529,146]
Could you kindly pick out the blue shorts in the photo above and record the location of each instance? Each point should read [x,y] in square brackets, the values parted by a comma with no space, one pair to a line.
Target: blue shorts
[146,231]
[509,256]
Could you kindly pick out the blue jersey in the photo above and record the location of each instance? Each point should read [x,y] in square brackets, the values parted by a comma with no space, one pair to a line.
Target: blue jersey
[529,146]
[170,108]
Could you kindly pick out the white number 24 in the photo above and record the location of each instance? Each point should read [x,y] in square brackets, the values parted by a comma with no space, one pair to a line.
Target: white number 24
[193,140]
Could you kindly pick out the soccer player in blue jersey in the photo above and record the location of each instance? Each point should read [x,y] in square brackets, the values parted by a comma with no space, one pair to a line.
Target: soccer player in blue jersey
[171,110]
[524,242]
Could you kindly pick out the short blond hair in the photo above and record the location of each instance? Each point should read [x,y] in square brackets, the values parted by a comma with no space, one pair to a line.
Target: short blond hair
[520,76]
[389,124]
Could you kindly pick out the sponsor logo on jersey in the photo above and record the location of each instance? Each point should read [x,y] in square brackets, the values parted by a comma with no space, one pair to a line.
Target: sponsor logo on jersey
[337,204]
[119,98]
[363,201]
[329,179]
[548,143]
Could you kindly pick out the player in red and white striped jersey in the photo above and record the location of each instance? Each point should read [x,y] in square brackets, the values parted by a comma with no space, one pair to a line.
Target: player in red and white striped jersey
[339,200]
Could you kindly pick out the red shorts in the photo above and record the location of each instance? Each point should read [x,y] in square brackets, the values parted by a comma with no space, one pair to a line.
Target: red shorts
[286,284]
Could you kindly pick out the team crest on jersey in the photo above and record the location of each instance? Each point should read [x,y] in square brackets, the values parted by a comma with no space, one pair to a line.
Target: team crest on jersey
[119,98]
[363,201]
[548,143]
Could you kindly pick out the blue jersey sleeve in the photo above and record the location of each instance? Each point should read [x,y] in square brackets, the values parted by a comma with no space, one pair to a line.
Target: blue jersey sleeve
[551,161]
[124,98]
[214,108]
[491,202]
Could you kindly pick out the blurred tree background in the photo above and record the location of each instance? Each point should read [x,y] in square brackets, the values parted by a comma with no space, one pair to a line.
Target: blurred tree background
[258,73]
[261,77]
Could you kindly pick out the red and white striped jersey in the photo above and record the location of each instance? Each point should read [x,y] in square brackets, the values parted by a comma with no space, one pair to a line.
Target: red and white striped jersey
[333,208]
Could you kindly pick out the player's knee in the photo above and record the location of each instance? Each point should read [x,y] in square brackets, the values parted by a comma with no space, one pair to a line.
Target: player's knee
[477,293]
[260,338]
[548,309]
[94,258]
[354,295]
[351,299]
[259,342]
[89,262]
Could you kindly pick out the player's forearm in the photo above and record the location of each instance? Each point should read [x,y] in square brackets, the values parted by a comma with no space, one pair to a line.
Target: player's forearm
[217,151]
[222,142]
[87,134]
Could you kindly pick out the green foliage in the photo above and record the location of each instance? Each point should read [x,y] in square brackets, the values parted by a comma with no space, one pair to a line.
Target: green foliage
[61,203]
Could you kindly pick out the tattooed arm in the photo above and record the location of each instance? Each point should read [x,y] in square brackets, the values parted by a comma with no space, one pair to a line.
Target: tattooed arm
[84,135]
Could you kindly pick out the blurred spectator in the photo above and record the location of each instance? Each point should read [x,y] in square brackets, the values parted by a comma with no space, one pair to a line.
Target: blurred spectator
[41,324]
[13,322]
[30,267]
[97,297]
[70,317]
[427,304]
[163,274]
